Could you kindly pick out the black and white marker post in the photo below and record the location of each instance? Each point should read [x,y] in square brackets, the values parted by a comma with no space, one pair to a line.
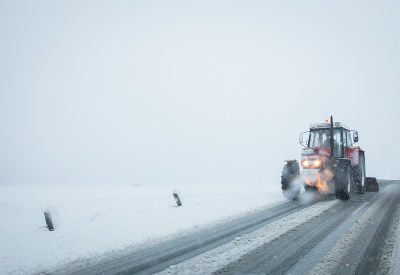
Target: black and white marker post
[178,201]
[49,221]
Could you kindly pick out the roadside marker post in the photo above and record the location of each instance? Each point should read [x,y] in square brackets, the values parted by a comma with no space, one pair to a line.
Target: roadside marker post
[178,201]
[49,222]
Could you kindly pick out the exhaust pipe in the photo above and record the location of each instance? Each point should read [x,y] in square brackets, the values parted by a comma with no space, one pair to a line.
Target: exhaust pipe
[332,144]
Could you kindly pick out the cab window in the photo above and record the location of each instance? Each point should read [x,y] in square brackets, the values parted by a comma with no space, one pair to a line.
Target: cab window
[349,140]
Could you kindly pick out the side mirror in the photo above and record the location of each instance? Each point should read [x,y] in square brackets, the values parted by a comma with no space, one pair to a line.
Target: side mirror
[355,136]
[301,139]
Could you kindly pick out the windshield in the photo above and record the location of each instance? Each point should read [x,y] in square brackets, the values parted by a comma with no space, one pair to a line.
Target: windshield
[320,138]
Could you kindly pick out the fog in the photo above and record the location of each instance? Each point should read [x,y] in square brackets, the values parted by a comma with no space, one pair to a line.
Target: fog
[142,92]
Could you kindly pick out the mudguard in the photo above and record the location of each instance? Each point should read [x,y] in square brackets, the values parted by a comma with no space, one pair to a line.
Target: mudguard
[354,155]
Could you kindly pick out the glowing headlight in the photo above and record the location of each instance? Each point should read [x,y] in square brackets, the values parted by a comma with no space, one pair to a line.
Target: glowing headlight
[311,163]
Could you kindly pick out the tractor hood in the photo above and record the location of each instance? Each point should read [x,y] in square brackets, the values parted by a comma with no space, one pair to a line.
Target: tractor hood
[314,158]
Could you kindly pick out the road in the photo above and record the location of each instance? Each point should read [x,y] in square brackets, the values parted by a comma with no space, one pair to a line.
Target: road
[350,238]
[325,236]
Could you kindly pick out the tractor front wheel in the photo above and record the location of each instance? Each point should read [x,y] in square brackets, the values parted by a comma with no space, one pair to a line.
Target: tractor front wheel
[290,185]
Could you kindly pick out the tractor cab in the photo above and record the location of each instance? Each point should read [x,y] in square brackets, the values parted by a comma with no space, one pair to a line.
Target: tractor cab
[319,138]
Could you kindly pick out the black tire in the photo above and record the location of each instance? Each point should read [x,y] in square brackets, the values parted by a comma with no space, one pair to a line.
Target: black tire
[360,177]
[343,183]
[290,172]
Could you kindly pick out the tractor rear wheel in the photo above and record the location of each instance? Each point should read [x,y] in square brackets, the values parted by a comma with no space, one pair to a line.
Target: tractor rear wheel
[290,173]
[343,184]
[359,176]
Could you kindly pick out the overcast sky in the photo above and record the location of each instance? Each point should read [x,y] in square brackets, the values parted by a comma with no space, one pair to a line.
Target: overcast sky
[191,91]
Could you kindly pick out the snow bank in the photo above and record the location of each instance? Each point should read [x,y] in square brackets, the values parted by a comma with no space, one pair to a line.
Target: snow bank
[93,222]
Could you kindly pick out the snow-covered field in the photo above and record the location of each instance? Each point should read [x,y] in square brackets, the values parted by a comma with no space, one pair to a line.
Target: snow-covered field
[94,222]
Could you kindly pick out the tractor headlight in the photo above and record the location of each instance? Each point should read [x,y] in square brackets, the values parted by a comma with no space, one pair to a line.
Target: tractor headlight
[311,163]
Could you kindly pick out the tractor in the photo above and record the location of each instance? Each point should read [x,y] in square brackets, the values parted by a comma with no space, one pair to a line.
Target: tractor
[330,161]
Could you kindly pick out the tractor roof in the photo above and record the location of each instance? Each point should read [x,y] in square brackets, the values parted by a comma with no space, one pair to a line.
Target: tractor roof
[315,126]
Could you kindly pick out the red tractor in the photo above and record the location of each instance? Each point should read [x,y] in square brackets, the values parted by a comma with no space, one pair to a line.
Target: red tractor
[331,163]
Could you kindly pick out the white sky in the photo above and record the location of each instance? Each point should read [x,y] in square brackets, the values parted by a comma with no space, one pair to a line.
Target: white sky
[191,91]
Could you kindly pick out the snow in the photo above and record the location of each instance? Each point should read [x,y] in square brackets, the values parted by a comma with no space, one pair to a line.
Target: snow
[94,222]
[97,222]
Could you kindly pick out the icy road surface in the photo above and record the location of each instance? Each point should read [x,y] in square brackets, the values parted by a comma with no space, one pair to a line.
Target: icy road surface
[322,237]
[359,236]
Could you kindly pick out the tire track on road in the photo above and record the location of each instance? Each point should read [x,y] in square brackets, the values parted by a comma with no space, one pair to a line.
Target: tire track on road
[299,245]
[336,262]
[220,257]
